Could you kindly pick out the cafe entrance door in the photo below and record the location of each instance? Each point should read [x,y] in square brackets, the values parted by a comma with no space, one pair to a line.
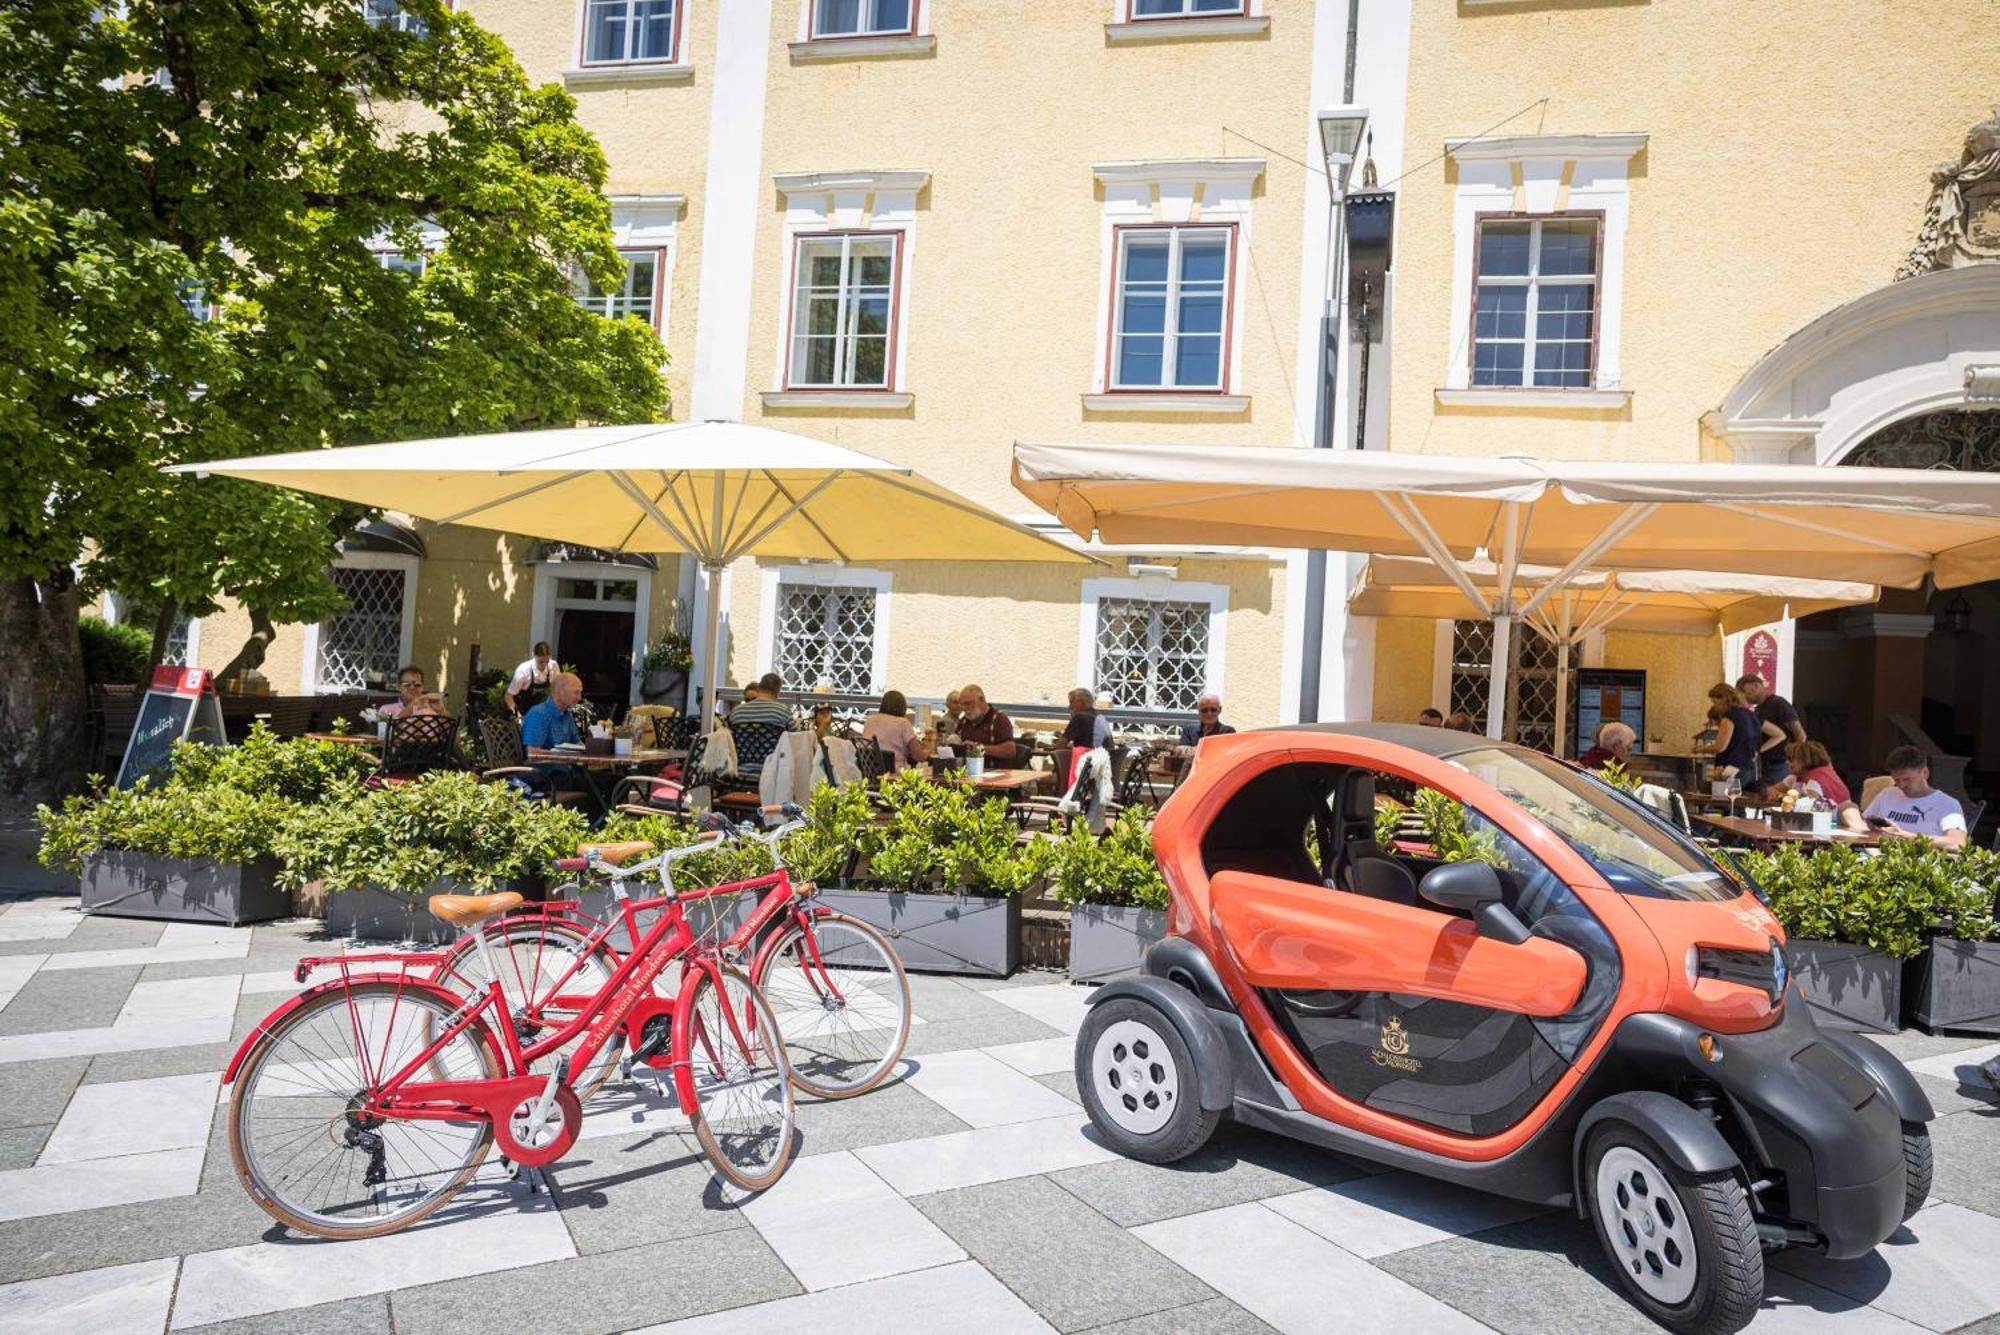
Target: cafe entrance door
[594,615]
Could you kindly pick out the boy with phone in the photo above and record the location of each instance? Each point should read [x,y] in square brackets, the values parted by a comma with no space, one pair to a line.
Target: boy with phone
[1909,807]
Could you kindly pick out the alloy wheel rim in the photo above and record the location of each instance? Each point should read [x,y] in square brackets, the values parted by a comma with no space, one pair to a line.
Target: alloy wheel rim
[1137,1082]
[1647,1224]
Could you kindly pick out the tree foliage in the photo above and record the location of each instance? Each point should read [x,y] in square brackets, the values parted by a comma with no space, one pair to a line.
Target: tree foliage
[194,202]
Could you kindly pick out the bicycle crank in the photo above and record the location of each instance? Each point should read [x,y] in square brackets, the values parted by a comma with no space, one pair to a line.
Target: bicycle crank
[532,1143]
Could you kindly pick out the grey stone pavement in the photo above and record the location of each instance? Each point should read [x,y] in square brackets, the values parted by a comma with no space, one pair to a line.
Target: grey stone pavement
[964,1197]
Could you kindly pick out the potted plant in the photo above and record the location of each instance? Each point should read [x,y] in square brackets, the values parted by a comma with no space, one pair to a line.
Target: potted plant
[1117,896]
[948,870]
[667,663]
[380,856]
[1957,978]
[727,862]
[201,843]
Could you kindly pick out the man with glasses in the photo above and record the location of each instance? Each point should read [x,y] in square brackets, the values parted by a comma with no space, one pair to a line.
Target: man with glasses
[410,698]
[1208,722]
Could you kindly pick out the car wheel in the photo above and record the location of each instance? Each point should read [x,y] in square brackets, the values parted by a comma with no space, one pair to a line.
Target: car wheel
[1916,1167]
[1684,1246]
[1139,1084]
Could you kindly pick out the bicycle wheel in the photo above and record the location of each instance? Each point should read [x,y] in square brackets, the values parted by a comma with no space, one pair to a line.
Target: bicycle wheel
[307,1154]
[743,1109]
[844,1009]
[540,958]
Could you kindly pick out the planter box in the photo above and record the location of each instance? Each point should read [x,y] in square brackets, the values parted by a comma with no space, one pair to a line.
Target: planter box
[716,918]
[139,885]
[1107,942]
[940,933]
[1957,986]
[1848,987]
[374,914]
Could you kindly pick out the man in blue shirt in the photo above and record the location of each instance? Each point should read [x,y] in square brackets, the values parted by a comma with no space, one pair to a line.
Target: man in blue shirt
[551,723]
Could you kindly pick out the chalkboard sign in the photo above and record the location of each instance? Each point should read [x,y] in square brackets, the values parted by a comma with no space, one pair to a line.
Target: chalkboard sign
[180,705]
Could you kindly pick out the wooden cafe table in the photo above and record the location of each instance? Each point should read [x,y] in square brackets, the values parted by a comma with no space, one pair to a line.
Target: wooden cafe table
[1741,829]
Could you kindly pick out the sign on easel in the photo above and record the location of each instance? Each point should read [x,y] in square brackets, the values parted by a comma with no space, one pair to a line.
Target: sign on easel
[180,706]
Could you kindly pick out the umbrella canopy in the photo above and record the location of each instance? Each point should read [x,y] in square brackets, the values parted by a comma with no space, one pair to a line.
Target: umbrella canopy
[1871,525]
[1670,602]
[717,491]
[1891,526]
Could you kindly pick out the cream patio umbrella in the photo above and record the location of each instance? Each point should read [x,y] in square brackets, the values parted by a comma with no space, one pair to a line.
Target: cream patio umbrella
[1892,526]
[716,491]
[1672,602]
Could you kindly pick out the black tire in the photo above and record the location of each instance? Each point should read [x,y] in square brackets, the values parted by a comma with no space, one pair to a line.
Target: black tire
[1714,1286]
[1139,1083]
[1917,1167]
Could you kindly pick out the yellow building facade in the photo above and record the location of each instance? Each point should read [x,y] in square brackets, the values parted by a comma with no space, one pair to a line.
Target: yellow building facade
[925,229]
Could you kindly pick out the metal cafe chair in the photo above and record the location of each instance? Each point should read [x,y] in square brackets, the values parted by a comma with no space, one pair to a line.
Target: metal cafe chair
[503,756]
[418,746]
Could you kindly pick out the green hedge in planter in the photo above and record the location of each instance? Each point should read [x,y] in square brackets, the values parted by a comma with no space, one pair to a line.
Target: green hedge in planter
[1118,869]
[1892,901]
[940,836]
[443,826]
[216,804]
[731,860]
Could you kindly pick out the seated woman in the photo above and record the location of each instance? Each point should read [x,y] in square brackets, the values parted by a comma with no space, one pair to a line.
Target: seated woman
[890,728]
[1813,772]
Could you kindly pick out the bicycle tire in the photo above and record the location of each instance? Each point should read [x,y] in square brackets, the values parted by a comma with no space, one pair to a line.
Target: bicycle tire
[256,1175]
[743,1115]
[821,1050]
[459,972]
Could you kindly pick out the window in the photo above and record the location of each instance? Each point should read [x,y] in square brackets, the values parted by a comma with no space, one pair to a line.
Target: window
[843,311]
[1534,306]
[1185,9]
[1152,653]
[390,14]
[826,637]
[862,18]
[629,31]
[179,651]
[636,294]
[363,646]
[1171,308]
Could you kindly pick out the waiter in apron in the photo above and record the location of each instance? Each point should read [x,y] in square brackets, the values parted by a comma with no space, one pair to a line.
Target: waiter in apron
[530,685]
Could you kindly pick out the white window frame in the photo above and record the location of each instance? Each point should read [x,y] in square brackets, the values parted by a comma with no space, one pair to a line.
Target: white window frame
[1534,281]
[1158,590]
[545,604]
[615,305]
[629,62]
[388,254]
[309,670]
[851,201]
[1541,174]
[812,46]
[1202,192]
[775,577]
[910,29]
[400,21]
[845,340]
[1128,12]
[1171,333]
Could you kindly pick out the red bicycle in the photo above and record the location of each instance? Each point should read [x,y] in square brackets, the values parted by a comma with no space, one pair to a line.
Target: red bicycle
[839,992]
[365,1103]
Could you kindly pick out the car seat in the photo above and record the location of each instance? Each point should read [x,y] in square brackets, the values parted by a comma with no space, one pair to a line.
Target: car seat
[1362,865]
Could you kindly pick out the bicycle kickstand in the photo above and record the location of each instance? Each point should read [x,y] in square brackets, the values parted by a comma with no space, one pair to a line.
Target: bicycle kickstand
[537,1180]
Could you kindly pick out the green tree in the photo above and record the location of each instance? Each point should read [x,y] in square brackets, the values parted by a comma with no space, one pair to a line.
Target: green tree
[194,202]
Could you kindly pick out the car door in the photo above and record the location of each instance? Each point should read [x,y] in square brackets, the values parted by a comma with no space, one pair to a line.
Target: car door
[1408,1009]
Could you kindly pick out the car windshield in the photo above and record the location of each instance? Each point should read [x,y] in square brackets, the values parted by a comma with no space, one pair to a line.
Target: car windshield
[1635,853]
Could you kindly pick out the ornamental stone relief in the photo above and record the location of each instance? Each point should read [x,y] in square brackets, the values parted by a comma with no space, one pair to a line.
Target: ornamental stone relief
[1962,222]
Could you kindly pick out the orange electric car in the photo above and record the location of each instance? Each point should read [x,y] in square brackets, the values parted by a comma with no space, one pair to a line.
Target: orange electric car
[1463,958]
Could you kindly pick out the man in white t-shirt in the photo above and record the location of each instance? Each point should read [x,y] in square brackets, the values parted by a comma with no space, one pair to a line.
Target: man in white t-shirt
[1909,806]
[531,679]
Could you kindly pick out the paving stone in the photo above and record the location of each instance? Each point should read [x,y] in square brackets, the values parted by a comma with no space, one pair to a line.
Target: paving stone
[619,1193]
[1937,1270]
[1063,1083]
[131,1117]
[1019,978]
[124,1300]
[986,1154]
[80,999]
[1915,1045]
[150,1063]
[1217,1316]
[833,1222]
[883,1115]
[985,1031]
[100,933]
[959,1297]
[119,1037]
[1392,1212]
[1041,1056]
[1967,1150]
[1072,1265]
[949,999]
[1990,1326]
[1962,1095]
[1238,1165]
[611,1291]
[34,1093]
[982,1090]
[1059,1005]
[351,1316]
[60,1188]
[20,1144]
[15,971]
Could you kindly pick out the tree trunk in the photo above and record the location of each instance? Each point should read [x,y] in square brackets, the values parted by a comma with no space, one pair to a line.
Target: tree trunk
[44,724]
[163,629]
[251,655]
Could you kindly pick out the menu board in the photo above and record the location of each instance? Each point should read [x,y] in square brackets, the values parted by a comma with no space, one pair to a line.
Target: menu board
[1604,695]
[180,705]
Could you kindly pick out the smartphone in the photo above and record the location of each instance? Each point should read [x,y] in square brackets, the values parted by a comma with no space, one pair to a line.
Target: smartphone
[1877,823]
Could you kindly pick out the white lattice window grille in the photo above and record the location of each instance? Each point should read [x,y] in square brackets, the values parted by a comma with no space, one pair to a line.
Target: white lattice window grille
[637,292]
[179,644]
[617,32]
[825,637]
[362,647]
[1531,681]
[1152,653]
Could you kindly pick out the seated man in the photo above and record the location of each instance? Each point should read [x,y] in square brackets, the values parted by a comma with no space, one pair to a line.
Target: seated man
[1086,727]
[1909,807]
[760,704]
[1208,721]
[987,727]
[551,723]
[1614,742]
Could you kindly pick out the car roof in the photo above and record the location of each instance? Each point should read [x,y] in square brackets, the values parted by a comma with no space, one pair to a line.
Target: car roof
[1442,743]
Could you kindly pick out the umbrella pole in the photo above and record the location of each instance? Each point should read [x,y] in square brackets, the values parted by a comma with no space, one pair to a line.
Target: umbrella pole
[1563,643]
[712,648]
[1496,680]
